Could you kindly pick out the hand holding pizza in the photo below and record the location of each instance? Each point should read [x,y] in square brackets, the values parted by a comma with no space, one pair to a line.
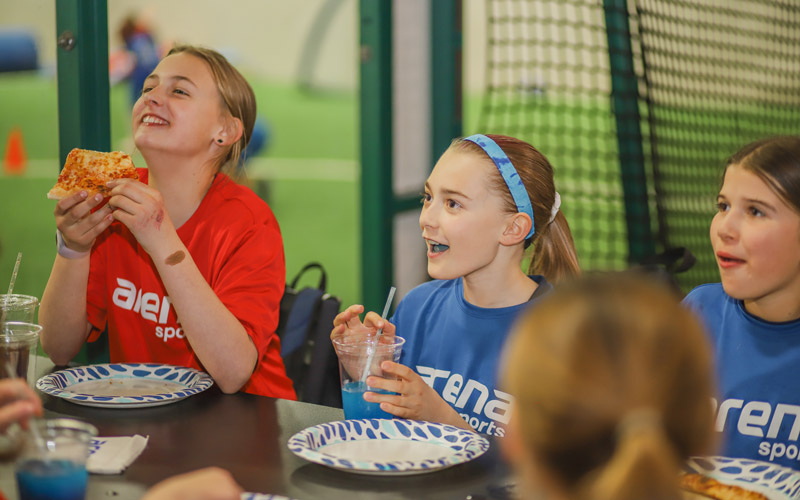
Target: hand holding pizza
[80,189]
[79,226]
[141,208]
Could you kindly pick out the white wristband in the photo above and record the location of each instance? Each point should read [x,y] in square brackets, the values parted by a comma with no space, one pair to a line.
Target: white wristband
[65,251]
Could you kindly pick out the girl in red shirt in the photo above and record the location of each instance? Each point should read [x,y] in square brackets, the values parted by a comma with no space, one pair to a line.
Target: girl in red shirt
[183,267]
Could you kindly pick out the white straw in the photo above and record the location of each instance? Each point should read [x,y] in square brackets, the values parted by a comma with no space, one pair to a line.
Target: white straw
[389,299]
[10,287]
[14,275]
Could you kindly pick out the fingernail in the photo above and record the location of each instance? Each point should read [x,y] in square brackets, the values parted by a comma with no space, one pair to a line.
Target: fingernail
[98,197]
[84,194]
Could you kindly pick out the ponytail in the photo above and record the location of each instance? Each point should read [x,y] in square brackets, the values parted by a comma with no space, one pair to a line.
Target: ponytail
[554,254]
[644,463]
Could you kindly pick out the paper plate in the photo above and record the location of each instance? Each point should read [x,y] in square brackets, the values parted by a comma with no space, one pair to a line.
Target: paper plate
[125,385]
[387,446]
[773,481]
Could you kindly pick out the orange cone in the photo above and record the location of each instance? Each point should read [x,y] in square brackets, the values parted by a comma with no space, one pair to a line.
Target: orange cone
[15,160]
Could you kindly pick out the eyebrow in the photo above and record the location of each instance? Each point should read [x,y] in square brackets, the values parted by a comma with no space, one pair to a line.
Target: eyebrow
[451,192]
[181,78]
[759,202]
[750,200]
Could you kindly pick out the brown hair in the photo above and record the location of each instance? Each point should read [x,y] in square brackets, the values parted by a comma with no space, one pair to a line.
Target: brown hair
[776,161]
[236,95]
[554,254]
[612,385]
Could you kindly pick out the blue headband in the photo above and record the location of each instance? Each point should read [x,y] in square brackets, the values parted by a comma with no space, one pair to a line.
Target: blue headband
[509,173]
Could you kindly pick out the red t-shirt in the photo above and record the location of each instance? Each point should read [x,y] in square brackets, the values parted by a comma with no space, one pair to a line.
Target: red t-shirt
[236,243]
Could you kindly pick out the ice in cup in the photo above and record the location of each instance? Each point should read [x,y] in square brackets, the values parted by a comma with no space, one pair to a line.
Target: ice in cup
[16,307]
[54,467]
[18,342]
[353,352]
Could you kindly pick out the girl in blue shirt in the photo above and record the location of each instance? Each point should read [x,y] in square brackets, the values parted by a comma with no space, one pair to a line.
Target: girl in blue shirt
[486,201]
[753,316]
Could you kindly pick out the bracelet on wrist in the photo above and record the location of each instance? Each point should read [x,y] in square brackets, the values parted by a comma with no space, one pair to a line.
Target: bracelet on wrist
[67,252]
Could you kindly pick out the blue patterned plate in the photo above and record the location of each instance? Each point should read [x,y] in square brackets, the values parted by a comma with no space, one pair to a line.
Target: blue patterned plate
[125,385]
[387,446]
[772,481]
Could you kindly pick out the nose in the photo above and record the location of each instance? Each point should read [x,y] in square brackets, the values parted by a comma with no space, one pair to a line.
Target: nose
[153,96]
[726,225]
[427,216]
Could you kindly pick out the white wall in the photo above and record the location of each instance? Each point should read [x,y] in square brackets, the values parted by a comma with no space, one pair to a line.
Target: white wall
[263,37]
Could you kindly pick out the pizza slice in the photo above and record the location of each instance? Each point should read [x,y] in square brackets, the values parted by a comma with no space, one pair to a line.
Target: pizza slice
[90,170]
[711,488]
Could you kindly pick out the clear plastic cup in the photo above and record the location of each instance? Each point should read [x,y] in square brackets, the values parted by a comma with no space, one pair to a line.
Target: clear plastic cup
[53,467]
[16,307]
[353,352]
[18,342]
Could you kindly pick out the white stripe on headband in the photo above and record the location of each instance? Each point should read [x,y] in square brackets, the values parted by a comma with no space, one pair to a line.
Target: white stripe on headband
[509,173]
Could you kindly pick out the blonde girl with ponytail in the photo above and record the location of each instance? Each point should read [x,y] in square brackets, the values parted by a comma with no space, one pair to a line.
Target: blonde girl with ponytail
[612,385]
[488,199]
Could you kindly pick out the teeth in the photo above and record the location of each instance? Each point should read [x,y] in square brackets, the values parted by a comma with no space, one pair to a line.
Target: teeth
[437,247]
[153,119]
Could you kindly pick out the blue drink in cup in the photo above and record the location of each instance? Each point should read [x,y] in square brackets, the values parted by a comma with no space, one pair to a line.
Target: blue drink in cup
[52,465]
[354,404]
[353,352]
[51,480]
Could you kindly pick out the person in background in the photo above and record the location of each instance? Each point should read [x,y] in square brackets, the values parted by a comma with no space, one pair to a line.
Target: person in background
[488,199]
[611,380]
[139,42]
[184,267]
[753,315]
[18,403]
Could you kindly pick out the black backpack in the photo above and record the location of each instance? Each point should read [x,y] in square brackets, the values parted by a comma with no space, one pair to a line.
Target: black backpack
[304,327]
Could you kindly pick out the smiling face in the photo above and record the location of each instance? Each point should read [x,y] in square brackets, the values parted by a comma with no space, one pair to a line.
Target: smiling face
[756,240]
[180,110]
[462,220]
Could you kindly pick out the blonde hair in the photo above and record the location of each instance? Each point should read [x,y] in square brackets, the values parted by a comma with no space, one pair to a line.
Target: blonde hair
[612,385]
[554,254]
[235,93]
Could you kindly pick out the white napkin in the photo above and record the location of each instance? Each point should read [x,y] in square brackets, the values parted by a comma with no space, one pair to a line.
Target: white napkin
[112,455]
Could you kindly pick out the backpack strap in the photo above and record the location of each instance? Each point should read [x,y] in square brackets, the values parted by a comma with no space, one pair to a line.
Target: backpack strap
[323,280]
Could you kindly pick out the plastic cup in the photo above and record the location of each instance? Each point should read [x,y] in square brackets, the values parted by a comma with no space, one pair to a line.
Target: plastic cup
[55,469]
[16,307]
[18,343]
[353,352]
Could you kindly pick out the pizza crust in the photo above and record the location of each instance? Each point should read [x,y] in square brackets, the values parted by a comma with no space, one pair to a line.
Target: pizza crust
[711,488]
[90,170]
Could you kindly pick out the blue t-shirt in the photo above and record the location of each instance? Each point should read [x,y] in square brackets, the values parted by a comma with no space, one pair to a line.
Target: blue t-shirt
[456,346]
[758,370]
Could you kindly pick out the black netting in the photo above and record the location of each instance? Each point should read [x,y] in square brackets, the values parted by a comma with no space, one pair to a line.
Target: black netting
[711,76]
[718,74]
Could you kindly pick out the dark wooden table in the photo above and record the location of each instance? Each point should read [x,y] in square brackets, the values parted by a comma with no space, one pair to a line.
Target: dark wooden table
[247,435]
